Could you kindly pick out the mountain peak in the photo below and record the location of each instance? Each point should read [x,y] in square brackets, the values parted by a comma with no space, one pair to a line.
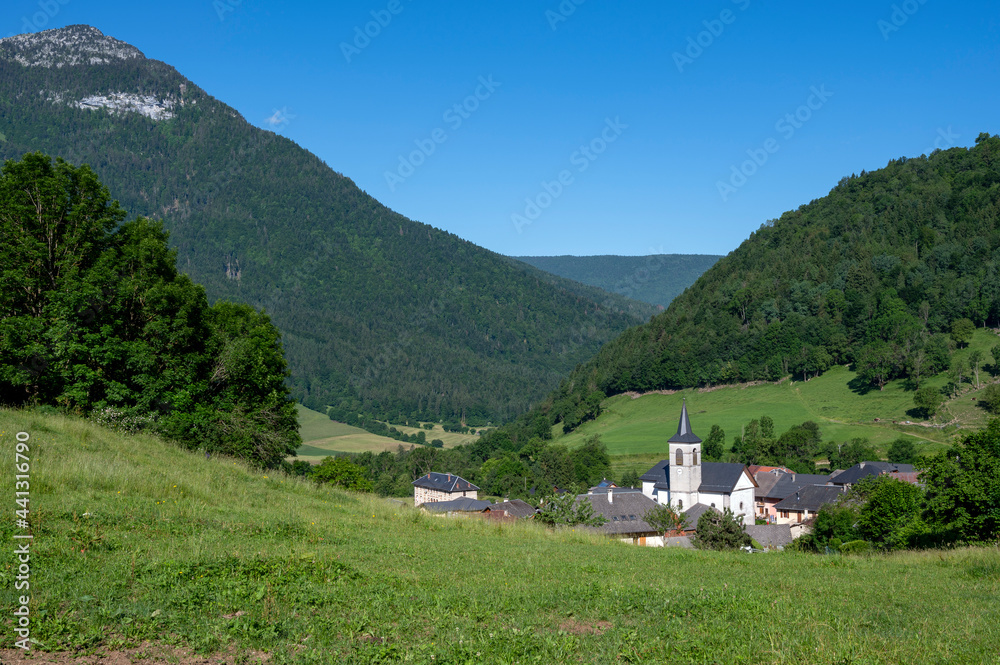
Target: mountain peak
[69,46]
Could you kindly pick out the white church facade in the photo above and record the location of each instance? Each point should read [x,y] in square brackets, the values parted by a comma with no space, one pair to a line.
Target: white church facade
[683,480]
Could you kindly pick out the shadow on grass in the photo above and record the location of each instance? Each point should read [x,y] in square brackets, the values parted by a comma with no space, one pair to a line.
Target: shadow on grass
[860,386]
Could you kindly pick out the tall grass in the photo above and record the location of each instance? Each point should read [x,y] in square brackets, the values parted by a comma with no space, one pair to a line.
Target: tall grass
[137,540]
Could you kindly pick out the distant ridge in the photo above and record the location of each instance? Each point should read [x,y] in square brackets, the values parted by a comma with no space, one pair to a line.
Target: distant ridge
[655,279]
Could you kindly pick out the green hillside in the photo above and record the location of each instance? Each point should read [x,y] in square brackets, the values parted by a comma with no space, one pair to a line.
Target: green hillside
[140,547]
[656,279]
[378,313]
[890,273]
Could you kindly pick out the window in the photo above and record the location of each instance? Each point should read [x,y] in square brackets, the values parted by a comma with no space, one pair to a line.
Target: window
[694,457]
[741,505]
[680,505]
[784,514]
[713,505]
[680,457]
[614,518]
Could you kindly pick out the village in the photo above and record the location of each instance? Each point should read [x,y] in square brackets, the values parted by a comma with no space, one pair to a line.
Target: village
[775,505]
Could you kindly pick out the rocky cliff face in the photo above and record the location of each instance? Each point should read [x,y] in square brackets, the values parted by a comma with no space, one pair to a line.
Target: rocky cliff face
[66,47]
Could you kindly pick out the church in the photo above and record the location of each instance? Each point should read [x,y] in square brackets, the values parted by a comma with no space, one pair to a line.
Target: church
[684,481]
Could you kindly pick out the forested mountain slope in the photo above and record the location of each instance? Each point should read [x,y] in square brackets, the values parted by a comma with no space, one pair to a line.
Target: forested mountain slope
[886,271]
[378,312]
[656,279]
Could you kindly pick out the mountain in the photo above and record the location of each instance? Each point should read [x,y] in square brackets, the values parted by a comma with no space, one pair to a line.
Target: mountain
[656,279]
[378,313]
[889,272]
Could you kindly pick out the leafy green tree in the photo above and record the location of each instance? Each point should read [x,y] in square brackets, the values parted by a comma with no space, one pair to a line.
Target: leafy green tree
[991,398]
[928,399]
[712,447]
[857,450]
[630,478]
[963,488]
[720,531]
[591,461]
[835,524]
[876,363]
[995,353]
[890,511]
[962,331]
[341,472]
[664,518]
[902,451]
[565,509]
[975,360]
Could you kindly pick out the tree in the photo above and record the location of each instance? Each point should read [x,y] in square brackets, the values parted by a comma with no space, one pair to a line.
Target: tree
[890,513]
[995,352]
[591,461]
[720,531]
[835,524]
[712,447]
[341,472]
[630,478]
[963,488]
[991,398]
[664,518]
[928,399]
[569,510]
[902,451]
[962,331]
[876,363]
[976,359]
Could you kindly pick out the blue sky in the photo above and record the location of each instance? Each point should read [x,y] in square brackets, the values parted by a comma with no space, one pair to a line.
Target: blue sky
[582,126]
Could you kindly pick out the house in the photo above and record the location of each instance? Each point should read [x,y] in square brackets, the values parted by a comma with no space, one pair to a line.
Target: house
[683,480]
[804,503]
[442,487]
[693,514]
[461,506]
[624,510]
[775,487]
[904,472]
[510,510]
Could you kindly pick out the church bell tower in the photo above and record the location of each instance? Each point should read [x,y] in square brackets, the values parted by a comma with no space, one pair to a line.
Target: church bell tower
[685,464]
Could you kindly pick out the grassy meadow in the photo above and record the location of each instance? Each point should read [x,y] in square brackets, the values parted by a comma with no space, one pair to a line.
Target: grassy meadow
[836,401]
[136,541]
[322,437]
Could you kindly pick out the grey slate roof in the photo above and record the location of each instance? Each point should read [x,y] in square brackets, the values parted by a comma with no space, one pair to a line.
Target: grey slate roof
[789,483]
[515,508]
[462,504]
[770,535]
[625,512]
[765,482]
[864,469]
[444,482]
[684,433]
[692,514]
[720,477]
[811,498]
[659,474]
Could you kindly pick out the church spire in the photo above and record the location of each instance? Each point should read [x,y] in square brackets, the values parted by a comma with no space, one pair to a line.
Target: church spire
[684,433]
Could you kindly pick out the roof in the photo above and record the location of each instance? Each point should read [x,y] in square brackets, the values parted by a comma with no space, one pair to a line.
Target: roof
[684,433]
[811,498]
[660,473]
[606,483]
[770,535]
[624,513]
[757,468]
[692,514]
[765,482]
[463,504]
[789,483]
[865,469]
[444,482]
[721,477]
[515,508]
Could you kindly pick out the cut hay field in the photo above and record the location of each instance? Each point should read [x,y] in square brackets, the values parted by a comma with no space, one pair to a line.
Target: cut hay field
[139,545]
[322,437]
[835,401]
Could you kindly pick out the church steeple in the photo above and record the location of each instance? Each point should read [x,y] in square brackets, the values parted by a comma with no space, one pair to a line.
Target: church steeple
[684,433]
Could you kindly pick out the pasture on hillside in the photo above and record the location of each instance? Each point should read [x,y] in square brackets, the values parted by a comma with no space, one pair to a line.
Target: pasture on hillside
[837,401]
[139,544]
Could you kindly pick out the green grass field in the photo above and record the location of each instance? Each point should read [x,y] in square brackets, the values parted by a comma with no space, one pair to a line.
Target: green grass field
[642,426]
[139,544]
[322,437]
